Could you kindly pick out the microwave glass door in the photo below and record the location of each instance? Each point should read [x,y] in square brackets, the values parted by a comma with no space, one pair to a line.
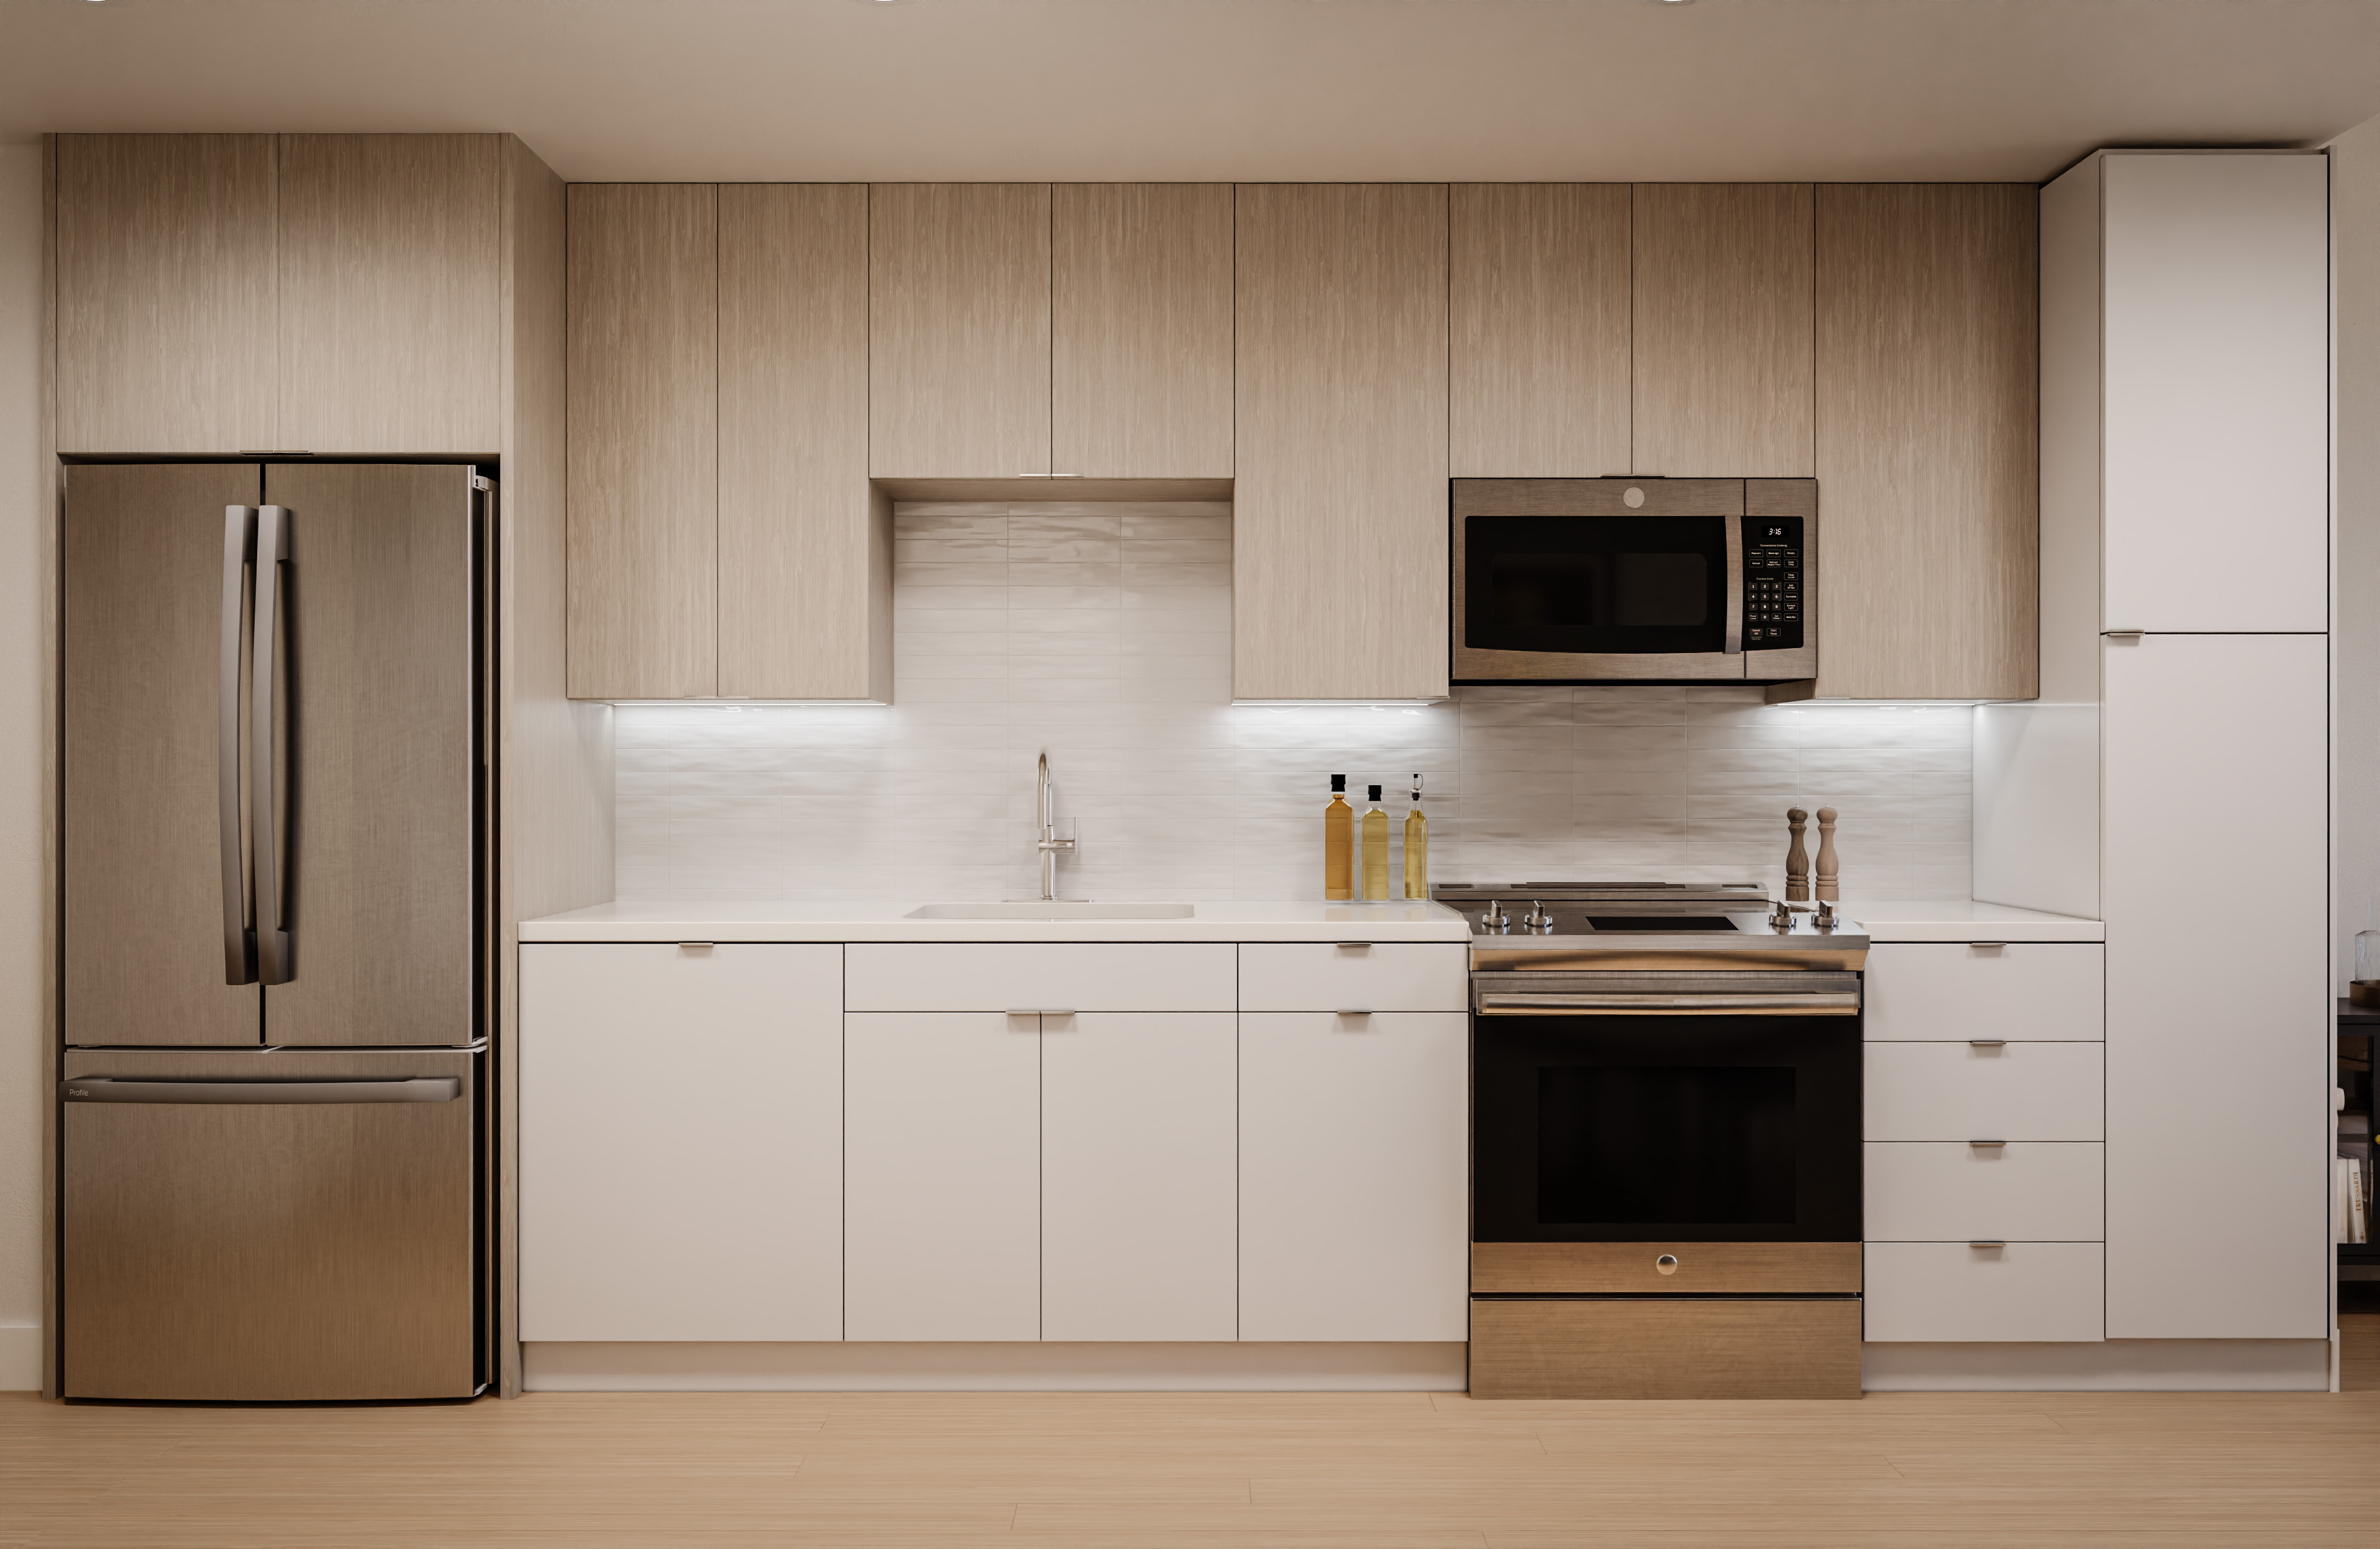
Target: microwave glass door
[1596,584]
[1600,1128]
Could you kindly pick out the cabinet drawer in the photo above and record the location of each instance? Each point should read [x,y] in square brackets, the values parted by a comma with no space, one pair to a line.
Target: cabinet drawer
[2016,1090]
[1960,1194]
[1040,977]
[1947,1293]
[1952,991]
[1329,976]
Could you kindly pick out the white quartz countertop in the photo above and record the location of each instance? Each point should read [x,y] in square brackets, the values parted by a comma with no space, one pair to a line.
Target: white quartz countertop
[1966,919]
[757,920]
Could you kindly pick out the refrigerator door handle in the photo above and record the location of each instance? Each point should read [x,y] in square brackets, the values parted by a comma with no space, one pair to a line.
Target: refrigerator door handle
[238,553]
[402,1089]
[274,943]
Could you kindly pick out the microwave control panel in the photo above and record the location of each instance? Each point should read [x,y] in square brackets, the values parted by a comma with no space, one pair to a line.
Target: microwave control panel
[1772,583]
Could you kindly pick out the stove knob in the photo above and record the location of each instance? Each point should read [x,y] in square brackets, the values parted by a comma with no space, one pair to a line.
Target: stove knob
[1780,917]
[1825,918]
[1536,918]
[1495,918]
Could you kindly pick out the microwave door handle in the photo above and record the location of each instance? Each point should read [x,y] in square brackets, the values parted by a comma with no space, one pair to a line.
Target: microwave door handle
[1734,526]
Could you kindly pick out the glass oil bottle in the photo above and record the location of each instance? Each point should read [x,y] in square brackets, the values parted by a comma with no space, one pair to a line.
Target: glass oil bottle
[1416,847]
[1338,843]
[1376,848]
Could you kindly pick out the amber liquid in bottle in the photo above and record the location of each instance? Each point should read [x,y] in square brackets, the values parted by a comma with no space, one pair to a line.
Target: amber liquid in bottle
[1375,849]
[1416,847]
[1338,843]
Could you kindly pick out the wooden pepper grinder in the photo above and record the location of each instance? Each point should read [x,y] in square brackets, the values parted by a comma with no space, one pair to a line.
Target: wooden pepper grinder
[1829,865]
[1797,859]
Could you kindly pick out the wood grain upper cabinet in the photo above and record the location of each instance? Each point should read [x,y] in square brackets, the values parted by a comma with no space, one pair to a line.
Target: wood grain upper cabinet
[1927,441]
[1539,330]
[390,293]
[1141,330]
[1723,330]
[805,570]
[1339,520]
[959,330]
[166,293]
[644,450]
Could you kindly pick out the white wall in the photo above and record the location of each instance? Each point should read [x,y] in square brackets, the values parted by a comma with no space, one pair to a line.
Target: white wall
[23,620]
[2355,173]
[1104,633]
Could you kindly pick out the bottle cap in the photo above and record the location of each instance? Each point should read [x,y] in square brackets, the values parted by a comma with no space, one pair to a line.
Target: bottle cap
[1338,782]
[1375,792]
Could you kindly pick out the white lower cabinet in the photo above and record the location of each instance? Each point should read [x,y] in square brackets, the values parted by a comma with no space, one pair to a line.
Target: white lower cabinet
[2016,1091]
[1138,1176]
[1951,1293]
[1354,1170]
[1919,1192]
[1957,990]
[681,1142]
[942,1187]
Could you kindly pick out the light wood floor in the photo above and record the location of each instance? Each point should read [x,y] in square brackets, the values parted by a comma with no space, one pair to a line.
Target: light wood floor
[1202,1471]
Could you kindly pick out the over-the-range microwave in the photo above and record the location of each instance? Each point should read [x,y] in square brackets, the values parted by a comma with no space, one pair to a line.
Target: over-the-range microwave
[1635,580]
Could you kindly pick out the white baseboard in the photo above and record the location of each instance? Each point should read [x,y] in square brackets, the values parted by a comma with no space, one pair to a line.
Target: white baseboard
[987,1368]
[20,1358]
[2114,1366]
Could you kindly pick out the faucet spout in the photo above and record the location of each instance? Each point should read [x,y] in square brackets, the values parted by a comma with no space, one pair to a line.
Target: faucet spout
[1048,844]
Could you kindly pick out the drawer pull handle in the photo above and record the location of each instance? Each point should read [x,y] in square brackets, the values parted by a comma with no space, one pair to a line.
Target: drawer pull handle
[1989,1144]
[1987,945]
[695,946]
[1992,1242]
[1353,1012]
[1039,1011]
[1987,1043]
[1667,1264]
[1353,946]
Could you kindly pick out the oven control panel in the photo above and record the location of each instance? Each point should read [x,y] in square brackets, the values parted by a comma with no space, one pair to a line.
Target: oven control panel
[1772,583]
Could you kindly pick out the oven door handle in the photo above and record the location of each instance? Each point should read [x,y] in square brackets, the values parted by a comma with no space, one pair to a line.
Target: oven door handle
[1734,643]
[1822,1003]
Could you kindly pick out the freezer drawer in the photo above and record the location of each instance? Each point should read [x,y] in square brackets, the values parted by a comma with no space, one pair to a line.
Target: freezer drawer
[276,1225]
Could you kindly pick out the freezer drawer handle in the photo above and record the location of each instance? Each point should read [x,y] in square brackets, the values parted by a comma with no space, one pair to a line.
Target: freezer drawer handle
[238,553]
[402,1089]
[275,964]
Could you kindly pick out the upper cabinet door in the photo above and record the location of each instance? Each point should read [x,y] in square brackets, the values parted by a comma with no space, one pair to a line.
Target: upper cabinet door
[959,330]
[1926,440]
[805,554]
[1340,516]
[1723,330]
[1539,330]
[1141,330]
[166,293]
[390,293]
[644,445]
[2217,333]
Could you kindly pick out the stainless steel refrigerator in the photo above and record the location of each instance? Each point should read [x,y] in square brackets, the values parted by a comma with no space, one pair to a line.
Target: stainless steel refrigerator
[275,971]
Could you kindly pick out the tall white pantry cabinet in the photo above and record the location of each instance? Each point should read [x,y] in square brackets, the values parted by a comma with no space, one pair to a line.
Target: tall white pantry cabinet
[2185,545]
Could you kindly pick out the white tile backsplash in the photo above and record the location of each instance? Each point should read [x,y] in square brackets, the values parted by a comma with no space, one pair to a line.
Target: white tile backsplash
[1103,633]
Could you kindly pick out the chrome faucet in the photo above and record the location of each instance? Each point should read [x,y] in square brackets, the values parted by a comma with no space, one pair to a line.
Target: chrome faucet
[1045,806]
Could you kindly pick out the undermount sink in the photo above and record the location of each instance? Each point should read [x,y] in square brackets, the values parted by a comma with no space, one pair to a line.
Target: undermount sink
[1034,910]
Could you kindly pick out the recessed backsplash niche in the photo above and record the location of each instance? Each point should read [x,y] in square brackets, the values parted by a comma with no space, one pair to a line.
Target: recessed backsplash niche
[1104,633]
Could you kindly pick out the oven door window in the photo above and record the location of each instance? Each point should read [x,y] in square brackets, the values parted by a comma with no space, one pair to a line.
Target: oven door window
[1626,1129]
[1587,584]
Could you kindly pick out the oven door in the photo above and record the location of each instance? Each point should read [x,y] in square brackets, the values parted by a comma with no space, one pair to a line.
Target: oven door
[1564,579]
[1688,1125]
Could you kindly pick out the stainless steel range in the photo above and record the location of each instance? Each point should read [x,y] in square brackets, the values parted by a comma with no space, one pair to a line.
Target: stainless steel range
[1666,1158]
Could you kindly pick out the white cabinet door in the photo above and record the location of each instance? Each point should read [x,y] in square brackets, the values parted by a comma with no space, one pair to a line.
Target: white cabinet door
[1354,1170]
[942,1189]
[681,1142]
[1953,991]
[2218,988]
[1957,1091]
[1139,1176]
[2217,408]
[1949,1294]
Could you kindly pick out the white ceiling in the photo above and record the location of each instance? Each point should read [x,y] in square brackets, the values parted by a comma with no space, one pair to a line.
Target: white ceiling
[1293,89]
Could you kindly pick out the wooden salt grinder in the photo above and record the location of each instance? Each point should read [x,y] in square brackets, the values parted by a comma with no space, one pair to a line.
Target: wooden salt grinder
[1829,865]
[1797,859]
